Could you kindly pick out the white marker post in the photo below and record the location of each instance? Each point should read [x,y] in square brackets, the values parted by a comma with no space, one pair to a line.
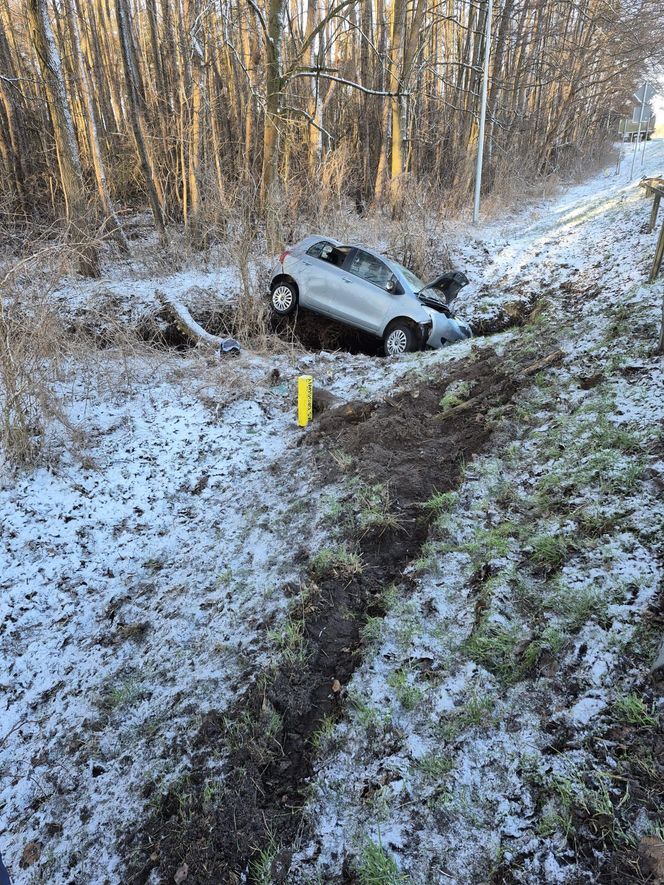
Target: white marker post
[643,95]
[485,89]
[636,142]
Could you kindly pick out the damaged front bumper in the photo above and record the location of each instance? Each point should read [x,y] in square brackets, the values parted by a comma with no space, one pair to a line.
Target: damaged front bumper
[446,330]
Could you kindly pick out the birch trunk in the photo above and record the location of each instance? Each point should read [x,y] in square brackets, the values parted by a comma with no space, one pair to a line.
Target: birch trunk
[69,161]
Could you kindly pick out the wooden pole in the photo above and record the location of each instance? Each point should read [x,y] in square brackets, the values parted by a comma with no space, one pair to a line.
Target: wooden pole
[659,254]
[653,213]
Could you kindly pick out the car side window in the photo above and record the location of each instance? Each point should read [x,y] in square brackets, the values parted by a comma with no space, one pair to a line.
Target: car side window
[327,252]
[315,250]
[371,269]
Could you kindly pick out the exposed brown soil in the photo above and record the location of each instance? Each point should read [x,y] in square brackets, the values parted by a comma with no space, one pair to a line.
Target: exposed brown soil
[316,333]
[410,443]
[307,331]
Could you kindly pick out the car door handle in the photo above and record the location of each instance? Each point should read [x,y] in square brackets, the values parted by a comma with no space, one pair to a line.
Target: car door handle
[346,280]
[308,263]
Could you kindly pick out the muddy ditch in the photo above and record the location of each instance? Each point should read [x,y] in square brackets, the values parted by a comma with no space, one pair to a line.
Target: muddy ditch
[309,331]
[305,331]
[414,443]
[157,328]
[109,322]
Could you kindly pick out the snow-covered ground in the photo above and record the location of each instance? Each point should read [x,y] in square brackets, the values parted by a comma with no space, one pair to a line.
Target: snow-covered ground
[139,576]
[482,709]
[142,574]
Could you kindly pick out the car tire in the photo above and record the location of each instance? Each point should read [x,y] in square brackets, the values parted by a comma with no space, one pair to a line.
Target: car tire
[400,338]
[283,298]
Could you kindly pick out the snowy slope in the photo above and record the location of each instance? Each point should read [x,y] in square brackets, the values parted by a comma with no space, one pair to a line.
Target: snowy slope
[456,765]
[138,579]
[141,574]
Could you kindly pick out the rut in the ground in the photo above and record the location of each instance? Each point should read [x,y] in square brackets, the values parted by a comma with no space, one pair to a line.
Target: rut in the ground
[418,447]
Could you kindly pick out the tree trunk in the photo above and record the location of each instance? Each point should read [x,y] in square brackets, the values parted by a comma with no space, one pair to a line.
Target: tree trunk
[136,112]
[91,126]
[196,111]
[273,85]
[69,161]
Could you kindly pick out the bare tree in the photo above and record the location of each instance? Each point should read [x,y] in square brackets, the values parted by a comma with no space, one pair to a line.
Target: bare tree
[69,161]
[87,101]
[179,101]
[137,112]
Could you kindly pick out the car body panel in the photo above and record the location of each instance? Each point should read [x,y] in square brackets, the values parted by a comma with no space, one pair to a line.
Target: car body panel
[355,292]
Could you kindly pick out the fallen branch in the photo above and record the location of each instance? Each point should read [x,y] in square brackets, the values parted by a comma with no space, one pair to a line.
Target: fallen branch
[185,322]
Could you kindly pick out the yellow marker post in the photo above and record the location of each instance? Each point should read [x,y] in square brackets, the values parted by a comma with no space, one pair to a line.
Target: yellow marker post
[305,399]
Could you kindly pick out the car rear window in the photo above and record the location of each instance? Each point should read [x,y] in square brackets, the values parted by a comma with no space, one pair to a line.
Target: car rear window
[371,269]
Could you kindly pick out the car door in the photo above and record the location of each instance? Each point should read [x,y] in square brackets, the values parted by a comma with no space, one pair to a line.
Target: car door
[364,300]
[321,273]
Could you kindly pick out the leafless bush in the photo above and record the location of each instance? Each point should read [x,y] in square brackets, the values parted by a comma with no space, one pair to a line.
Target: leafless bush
[31,351]
[416,236]
[42,351]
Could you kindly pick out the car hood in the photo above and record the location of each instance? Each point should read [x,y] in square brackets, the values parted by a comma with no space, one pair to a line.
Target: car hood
[448,284]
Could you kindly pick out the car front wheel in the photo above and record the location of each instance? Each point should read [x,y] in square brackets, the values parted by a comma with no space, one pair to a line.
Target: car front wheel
[284,299]
[399,338]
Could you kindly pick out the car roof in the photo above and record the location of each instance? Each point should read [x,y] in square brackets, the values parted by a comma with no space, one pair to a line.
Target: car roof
[317,238]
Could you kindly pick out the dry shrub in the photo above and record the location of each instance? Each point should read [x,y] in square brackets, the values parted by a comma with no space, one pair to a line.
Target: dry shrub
[31,351]
[519,178]
[417,236]
[244,247]
[42,353]
[515,181]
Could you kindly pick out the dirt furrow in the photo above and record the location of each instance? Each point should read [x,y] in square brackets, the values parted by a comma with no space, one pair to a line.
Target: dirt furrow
[415,443]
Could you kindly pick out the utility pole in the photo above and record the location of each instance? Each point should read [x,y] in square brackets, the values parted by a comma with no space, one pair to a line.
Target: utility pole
[645,141]
[485,89]
[636,142]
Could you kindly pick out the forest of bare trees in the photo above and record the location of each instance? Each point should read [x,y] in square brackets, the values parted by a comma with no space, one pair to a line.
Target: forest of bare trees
[112,105]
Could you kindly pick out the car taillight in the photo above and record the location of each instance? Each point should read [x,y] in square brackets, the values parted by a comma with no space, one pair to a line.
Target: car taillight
[283,255]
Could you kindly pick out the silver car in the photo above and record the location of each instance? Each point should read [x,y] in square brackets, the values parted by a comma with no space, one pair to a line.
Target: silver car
[363,289]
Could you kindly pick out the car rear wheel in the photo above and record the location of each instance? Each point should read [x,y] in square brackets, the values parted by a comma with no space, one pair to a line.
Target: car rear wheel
[399,338]
[284,299]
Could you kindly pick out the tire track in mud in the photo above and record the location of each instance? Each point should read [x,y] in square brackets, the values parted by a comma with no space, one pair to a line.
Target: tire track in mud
[416,447]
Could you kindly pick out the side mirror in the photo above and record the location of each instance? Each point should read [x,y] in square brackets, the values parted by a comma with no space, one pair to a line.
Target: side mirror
[393,287]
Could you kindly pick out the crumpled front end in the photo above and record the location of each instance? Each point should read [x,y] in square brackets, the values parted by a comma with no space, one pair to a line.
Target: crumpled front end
[446,330]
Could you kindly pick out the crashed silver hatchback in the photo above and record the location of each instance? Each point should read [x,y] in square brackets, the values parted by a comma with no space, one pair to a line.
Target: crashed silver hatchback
[366,290]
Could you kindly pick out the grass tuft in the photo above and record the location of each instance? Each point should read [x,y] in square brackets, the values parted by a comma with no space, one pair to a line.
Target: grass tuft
[376,867]
[549,552]
[633,710]
[260,866]
[407,694]
[338,562]
[441,502]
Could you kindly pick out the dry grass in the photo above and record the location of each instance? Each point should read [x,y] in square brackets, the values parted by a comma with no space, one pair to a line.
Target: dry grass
[46,360]
[31,352]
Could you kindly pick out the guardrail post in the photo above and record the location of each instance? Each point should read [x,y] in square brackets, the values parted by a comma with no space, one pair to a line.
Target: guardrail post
[659,254]
[653,213]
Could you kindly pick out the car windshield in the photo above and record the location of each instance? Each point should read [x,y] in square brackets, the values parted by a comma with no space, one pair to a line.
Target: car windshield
[411,279]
